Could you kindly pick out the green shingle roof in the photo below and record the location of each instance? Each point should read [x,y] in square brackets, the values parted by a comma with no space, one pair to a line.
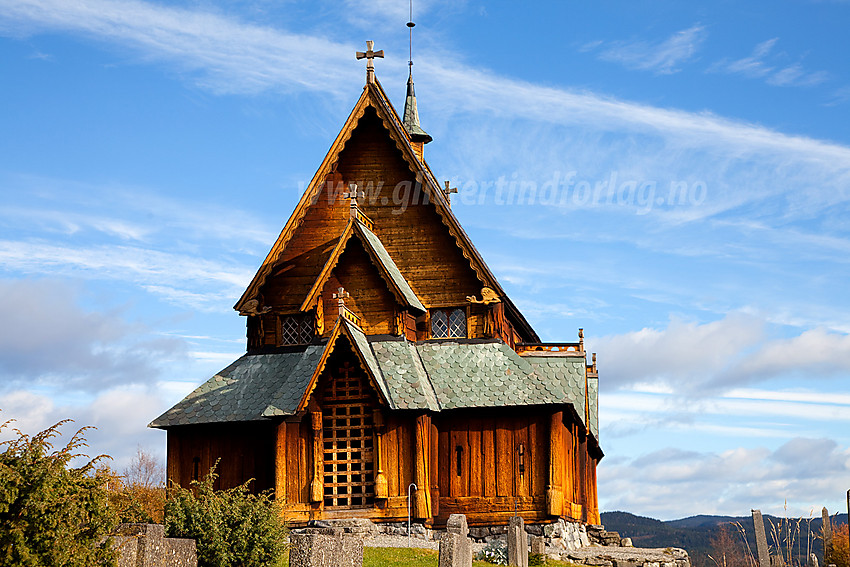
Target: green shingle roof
[254,387]
[432,375]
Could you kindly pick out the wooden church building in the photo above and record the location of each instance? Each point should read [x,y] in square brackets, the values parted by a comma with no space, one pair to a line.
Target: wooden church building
[384,357]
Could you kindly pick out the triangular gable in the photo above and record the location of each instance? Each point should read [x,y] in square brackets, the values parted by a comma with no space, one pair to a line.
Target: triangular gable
[374,96]
[360,346]
[380,258]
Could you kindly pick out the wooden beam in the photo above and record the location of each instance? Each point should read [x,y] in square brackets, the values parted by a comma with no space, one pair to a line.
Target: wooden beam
[280,464]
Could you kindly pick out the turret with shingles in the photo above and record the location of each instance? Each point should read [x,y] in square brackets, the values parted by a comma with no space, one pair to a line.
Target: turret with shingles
[418,136]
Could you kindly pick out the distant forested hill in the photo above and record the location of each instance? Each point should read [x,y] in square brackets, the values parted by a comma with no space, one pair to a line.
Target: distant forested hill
[695,534]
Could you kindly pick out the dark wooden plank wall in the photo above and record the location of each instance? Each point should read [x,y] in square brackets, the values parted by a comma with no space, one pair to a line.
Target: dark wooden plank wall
[412,231]
[245,450]
[370,297]
[488,483]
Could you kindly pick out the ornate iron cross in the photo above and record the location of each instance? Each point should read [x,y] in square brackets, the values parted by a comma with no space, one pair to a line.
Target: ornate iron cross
[370,55]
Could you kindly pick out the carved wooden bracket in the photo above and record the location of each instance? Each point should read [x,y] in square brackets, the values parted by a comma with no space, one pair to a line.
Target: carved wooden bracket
[488,296]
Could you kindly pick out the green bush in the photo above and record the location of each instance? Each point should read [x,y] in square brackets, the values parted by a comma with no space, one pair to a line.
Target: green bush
[231,528]
[52,514]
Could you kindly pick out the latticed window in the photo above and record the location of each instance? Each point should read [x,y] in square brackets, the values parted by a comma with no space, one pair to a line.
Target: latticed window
[448,324]
[296,329]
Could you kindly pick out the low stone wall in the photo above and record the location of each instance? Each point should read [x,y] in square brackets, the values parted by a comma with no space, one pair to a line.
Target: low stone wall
[145,545]
[590,545]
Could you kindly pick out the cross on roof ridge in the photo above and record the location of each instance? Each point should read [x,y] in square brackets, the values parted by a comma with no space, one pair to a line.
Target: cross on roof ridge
[370,55]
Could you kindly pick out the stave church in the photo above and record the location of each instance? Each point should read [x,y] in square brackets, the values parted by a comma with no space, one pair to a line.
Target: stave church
[384,361]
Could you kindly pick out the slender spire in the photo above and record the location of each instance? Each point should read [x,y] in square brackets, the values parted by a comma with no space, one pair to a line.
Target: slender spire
[411,113]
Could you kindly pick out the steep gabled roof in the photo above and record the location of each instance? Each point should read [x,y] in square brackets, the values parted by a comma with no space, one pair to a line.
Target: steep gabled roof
[373,96]
[364,353]
[380,257]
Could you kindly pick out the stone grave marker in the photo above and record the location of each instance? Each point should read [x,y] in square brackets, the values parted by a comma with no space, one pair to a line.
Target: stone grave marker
[517,542]
[761,539]
[325,547]
[455,545]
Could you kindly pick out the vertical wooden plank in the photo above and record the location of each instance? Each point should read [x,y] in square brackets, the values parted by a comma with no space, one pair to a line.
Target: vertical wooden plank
[554,492]
[406,453]
[422,503]
[173,458]
[569,465]
[304,477]
[504,459]
[582,480]
[538,448]
[445,461]
[488,446]
[393,467]
[459,475]
[593,503]
[476,472]
[434,440]
[520,438]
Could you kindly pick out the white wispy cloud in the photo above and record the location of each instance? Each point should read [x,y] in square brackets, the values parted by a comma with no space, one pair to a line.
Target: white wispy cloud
[145,267]
[774,68]
[240,57]
[694,358]
[661,57]
[801,474]
[231,56]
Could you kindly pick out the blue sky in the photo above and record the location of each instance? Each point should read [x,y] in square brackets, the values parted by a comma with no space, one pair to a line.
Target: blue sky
[672,177]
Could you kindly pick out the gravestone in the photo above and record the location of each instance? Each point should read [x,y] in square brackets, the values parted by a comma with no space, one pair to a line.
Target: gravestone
[325,547]
[517,543]
[827,528]
[538,546]
[455,546]
[761,539]
[145,545]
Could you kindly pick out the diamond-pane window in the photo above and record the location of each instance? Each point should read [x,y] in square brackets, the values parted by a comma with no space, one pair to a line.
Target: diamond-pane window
[296,329]
[457,324]
[448,324]
[439,325]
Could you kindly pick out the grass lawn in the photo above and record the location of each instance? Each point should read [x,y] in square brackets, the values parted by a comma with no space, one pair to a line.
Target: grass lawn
[413,557]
